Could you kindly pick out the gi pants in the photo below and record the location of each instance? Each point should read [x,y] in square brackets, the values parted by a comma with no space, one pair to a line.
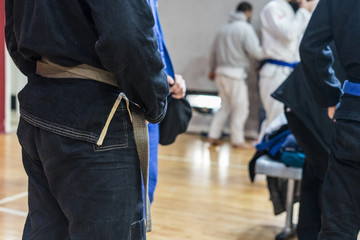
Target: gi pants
[341,190]
[271,77]
[153,158]
[316,162]
[78,190]
[234,102]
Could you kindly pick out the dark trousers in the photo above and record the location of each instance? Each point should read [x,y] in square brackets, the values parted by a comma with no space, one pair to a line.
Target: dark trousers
[314,169]
[341,191]
[310,212]
[79,191]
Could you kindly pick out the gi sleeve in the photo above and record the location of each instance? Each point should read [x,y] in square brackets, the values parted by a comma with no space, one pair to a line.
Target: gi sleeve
[317,58]
[213,55]
[252,44]
[26,67]
[283,27]
[127,46]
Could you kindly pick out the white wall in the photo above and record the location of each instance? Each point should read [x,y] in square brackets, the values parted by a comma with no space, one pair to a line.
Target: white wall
[189,27]
[14,81]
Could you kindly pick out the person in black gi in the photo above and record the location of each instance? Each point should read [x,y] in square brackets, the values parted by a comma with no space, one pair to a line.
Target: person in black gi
[337,21]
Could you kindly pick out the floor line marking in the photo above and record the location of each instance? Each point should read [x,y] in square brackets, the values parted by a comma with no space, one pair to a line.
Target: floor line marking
[13,212]
[186,160]
[13,198]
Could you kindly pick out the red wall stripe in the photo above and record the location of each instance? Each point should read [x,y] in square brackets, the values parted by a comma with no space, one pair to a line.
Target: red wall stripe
[2,67]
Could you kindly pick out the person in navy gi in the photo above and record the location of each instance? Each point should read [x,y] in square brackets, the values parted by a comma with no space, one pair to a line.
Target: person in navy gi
[311,127]
[337,21]
[92,66]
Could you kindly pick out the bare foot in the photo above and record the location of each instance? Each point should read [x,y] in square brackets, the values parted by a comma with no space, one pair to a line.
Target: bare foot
[243,146]
[213,142]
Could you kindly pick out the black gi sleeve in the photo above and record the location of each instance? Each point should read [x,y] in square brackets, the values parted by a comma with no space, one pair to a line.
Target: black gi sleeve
[127,46]
[26,67]
[317,58]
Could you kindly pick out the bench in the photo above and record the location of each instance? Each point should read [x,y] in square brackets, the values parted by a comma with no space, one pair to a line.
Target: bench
[269,167]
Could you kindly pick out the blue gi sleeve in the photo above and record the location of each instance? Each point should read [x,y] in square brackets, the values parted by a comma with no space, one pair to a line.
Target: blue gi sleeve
[127,46]
[317,58]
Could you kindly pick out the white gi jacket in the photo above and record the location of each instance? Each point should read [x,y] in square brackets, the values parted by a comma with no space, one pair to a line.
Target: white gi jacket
[281,30]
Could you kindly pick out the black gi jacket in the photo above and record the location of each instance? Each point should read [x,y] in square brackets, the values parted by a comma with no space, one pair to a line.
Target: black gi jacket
[337,21]
[113,35]
[317,56]
[295,93]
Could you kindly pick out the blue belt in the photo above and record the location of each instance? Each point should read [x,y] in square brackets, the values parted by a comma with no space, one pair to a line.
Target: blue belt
[351,88]
[281,63]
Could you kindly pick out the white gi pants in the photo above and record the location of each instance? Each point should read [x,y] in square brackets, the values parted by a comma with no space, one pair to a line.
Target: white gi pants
[234,102]
[271,77]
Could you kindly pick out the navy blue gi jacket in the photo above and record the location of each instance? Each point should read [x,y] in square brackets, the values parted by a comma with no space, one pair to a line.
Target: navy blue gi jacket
[113,35]
[332,20]
[337,21]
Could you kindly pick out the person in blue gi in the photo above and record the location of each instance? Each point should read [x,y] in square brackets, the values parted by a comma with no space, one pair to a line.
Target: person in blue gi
[178,90]
[94,75]
[337,21]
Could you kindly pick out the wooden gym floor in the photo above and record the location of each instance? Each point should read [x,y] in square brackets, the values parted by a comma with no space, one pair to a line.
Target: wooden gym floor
[203,193]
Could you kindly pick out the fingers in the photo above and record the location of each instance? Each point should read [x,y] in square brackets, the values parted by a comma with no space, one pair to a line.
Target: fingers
[170,80]
[178,90]
[331,112]
[211,76]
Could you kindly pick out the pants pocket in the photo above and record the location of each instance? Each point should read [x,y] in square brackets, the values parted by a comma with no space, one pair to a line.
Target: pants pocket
[345,143]
[118,132]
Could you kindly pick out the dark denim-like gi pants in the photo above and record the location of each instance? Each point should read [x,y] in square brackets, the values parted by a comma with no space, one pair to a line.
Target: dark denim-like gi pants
[316,162]
[341,189]
[78,190]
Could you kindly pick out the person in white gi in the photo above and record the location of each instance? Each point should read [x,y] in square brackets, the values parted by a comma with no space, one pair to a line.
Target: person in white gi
[235,42]
[281,29]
